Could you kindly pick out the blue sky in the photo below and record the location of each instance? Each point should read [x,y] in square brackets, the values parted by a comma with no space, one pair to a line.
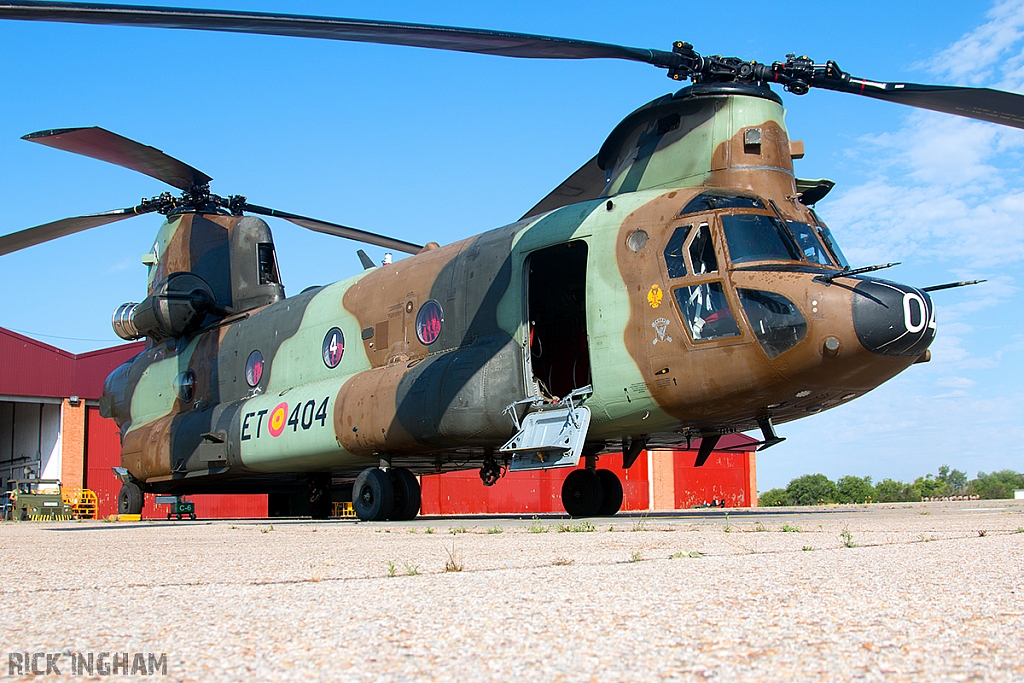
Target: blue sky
[438,146]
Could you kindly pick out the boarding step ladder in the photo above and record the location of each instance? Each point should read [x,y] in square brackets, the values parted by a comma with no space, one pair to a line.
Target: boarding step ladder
[551,434]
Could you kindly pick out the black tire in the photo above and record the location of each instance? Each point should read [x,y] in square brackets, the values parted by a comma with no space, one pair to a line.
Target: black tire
[179,516]
[407,495]
[373,495]
[581,494]
[611,493]
[168,516]
[191,515]
[129,500]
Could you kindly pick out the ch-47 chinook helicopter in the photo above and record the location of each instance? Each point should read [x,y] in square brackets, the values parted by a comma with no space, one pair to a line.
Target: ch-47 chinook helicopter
[676,288]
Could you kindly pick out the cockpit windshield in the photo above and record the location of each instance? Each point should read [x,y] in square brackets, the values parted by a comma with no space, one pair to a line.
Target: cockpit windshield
[830,243]
[754,237]
[810,246]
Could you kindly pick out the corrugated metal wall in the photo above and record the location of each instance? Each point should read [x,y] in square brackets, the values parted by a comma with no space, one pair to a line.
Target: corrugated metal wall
[103,451]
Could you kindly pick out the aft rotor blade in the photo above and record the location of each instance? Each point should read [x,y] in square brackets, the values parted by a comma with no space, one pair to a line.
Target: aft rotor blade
[501,43]
[101,144]
[984,104]
[65,226]
[329,228]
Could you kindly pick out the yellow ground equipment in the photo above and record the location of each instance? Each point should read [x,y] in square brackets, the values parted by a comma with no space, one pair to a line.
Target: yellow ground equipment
[83,503]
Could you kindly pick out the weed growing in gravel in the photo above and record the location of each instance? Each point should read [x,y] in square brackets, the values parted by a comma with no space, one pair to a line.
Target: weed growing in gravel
[847,539]
[411,569]
[233,526]
[429,530]
[611,527]
[582,527]
[759,527]
[640,523]
[923,512]
[391,567]
[790,528]
[924,539]
[536,527]
[684,553]
[267,530]
[562,562]
[807,547]
[412,530]
[728,527]
[635,556]
[457,530]
[495,529]
[454,562]
[1020,530]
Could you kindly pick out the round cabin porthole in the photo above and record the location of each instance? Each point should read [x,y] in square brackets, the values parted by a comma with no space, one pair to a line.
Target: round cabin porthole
[429,321]
[333,347]
[254,368]
[185,385]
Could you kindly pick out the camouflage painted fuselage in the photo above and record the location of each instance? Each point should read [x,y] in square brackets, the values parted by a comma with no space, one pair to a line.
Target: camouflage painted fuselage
[437,406]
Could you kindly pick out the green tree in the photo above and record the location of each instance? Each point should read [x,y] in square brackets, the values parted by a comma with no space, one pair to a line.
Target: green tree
[892,491]
[812,489]
[773,498]
[955,480]
[997,485]
[928,486]
[851,489]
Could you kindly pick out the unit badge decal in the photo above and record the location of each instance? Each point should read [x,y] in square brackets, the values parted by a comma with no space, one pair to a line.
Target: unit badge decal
[661,328]
[654,296]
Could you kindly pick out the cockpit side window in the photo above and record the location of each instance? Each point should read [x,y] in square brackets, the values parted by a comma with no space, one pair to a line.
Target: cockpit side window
[753,237]
[832,245]
[706,311]
[674,252]
[702,252]
[267,264]
[807,239]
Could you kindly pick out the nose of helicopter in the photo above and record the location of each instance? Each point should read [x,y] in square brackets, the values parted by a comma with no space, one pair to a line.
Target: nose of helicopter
[891,319]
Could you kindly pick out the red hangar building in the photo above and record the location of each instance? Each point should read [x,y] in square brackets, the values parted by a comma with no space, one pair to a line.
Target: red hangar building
[50,426]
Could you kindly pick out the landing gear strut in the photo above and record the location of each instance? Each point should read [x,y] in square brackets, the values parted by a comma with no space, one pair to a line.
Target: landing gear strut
[319,496]
[490,471]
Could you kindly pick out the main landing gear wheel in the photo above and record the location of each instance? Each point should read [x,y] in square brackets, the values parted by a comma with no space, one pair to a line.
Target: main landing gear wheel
[581,494]
[611,493]
[129,500]
[373,495]
[407,494]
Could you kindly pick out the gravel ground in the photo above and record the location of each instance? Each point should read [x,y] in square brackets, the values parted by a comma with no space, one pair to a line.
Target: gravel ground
[931,591]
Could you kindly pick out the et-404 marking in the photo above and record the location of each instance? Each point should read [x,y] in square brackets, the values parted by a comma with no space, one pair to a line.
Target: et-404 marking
[302,415]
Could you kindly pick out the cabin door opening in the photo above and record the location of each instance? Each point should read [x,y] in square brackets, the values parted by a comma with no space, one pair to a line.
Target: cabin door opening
[557,314]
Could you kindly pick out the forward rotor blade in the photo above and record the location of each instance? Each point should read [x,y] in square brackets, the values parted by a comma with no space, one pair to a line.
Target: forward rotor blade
[337,230]
[502,43]
[984,104]
[101,144]
[65,226]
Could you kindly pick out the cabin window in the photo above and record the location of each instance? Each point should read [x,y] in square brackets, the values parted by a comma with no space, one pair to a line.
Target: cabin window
[753,237]
[674,252]
[706,311]
[807,239]
[266,262]
[702,252]
[778,324]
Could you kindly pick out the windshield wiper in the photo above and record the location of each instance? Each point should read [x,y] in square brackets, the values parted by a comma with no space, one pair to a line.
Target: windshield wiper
[827,278]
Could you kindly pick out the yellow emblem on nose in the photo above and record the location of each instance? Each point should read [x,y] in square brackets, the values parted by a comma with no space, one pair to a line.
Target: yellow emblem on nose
[654,296]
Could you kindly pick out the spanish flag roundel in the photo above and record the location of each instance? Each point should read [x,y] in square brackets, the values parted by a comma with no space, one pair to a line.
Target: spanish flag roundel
[278,417]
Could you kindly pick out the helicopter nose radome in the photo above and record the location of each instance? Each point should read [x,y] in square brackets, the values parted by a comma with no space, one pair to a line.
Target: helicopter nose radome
[893,319]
